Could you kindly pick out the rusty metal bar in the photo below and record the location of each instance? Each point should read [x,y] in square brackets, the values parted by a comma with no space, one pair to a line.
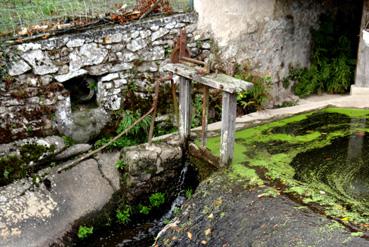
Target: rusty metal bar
[191,60]
[205,99]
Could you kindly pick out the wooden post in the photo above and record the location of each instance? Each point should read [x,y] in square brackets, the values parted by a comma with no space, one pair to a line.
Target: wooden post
[229,110]
[153,116]
[185,103]
[205,99]
[175,102]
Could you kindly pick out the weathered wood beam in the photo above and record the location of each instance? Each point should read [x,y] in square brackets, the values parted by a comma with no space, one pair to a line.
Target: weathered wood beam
[185,104]
[218,81]
[229,110]
[204,122]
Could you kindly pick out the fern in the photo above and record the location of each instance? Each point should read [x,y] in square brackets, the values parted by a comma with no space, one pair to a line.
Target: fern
[129,118]
[332,63]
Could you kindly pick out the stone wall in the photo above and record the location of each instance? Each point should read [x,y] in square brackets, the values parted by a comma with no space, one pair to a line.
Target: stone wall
[268,35]
[34,98]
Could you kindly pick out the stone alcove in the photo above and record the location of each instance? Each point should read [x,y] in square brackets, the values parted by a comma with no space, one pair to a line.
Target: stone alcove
[82,91]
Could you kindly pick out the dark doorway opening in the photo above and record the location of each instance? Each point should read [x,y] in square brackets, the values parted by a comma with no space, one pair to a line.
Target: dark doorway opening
[334,50]
[82,92]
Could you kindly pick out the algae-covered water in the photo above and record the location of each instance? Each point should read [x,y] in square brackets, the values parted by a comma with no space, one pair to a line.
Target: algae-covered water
[322,157]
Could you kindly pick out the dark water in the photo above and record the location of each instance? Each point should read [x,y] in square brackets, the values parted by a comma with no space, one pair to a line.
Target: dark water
[342,165]
[143,232]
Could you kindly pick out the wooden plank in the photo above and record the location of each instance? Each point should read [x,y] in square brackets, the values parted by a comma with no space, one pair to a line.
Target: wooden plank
[218,81]
[185,104]
[229,110]
[204,122]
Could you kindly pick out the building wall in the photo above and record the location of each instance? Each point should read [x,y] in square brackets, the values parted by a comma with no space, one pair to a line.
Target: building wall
[270,36]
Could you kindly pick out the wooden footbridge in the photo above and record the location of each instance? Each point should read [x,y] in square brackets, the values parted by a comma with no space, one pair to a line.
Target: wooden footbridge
[230,87]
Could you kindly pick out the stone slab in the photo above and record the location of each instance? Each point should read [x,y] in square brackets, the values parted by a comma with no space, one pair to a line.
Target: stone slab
[42,215]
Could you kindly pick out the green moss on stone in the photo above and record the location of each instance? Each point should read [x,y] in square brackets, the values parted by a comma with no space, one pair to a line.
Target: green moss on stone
[16,167]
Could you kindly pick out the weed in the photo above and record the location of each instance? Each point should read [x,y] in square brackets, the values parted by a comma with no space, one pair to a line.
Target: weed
[166,221]
[91,84]
[157,199]
[357,234]
[188,193]
[144,209]
[129,118]
[120,165]
[176,211]
[68,141]
[197,111]
[138,134]
[257,97]
[270,192]
[84,232]
[124,215]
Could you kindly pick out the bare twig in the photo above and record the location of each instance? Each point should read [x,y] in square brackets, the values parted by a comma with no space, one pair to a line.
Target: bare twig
[156,4]
[155,106]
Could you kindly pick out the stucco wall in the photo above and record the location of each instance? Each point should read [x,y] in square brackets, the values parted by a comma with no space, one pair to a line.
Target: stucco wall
[268,35]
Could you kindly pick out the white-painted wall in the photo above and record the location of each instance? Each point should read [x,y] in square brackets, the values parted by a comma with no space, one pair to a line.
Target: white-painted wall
[228,19]
[268,35]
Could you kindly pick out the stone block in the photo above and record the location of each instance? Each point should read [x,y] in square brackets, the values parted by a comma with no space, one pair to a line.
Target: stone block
[40,62]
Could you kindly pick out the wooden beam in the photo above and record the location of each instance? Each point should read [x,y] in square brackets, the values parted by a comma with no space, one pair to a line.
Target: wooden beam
[185,104]
[218,81]
[204,122]
[229,110]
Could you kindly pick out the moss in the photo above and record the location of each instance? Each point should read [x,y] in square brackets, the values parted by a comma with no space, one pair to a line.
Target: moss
[33,152]
[270,192]
[249,174]
[14,167]
[350,112]
[273,146]
[11,167]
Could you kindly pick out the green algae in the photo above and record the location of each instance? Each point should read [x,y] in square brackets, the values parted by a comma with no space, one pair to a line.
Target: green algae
[249,174]
[274,146]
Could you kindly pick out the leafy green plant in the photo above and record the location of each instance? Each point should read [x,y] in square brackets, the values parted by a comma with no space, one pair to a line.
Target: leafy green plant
[197,111]
[92,85]
[157,199]
[176,211]
[84,232]
[258,96]
[129,118]
[124,215]
[138,134]
[188,193]
[357,234]
[144,209]
[166,221]
[68,141]
[120,164]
